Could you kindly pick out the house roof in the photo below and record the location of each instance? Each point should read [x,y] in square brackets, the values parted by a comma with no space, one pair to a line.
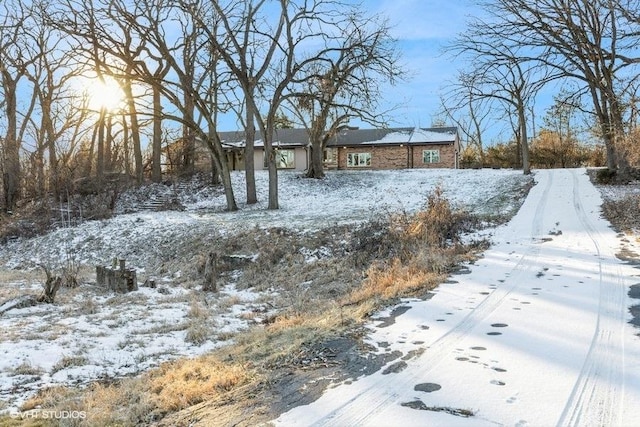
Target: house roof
[350,137]
[392,136]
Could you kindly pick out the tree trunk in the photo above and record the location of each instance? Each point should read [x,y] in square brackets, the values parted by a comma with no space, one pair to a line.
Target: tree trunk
[100,155]
[108,145]
[11,177]
[226,183]
[125,146]
[135,131]
[215,172]
[271,164]
[156,148]
[40,175]
[188,140]
[273,184]
[50,146]
[218,156]
[524,144]
[316,165]
[249,161]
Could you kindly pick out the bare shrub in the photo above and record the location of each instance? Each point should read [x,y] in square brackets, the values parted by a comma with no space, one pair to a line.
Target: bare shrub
[420,250]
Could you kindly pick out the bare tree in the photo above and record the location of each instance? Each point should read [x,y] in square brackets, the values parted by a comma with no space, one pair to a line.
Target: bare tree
[151,26]
[591,42]
[471,113]
[13,68]
[246,42]
[344,80]
[187,88]
[500,71]
[50,75]
[559,120]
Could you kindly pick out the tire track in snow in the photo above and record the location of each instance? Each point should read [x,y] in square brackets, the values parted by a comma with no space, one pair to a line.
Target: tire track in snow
[377,398]
[598,394]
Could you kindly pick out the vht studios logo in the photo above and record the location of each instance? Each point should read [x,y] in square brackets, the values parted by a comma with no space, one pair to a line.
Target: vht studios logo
[51,415]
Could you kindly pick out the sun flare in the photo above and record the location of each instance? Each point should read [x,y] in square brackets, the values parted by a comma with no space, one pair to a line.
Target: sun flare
[104,93]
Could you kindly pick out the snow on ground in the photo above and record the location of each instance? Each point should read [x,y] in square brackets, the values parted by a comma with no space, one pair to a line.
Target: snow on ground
[89,334]
[343,197]
[536,334]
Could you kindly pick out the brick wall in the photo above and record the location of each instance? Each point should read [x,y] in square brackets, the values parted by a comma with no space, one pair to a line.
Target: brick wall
[447,156]
[396,157]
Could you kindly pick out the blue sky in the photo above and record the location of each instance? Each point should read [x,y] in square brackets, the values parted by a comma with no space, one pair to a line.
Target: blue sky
[422,28]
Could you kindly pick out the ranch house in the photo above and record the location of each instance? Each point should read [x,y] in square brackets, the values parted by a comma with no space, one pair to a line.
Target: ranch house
[355,149]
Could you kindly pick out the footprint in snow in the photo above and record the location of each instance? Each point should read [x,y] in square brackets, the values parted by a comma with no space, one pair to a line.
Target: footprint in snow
[499,325]
[427,387]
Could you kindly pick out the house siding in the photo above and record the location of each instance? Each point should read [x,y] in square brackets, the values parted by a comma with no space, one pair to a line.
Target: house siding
[300,158]
[448,156]
[399,157]
[393,157]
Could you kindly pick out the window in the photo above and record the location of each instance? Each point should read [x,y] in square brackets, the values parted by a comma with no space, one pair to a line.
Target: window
[329,155]
[431,156]
[285,159]
[358,160]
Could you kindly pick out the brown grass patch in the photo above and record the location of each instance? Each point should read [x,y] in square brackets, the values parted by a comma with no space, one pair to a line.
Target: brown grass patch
[395,280]
[178,385]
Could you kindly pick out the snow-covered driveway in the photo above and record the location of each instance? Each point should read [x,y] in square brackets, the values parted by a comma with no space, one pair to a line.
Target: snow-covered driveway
[536,334]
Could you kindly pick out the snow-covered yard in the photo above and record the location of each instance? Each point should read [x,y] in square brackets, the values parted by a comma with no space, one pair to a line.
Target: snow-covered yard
[537,333]
[90,334]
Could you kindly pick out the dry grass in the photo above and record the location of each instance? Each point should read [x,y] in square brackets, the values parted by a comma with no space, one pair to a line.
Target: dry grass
[181,384]
[392,281]
[421,250]
[198,333]
[198,311]
[26,368]
[139,401]
[69,362]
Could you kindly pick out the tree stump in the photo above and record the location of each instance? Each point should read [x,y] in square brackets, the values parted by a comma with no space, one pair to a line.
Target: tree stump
[120,279]
[211,273]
